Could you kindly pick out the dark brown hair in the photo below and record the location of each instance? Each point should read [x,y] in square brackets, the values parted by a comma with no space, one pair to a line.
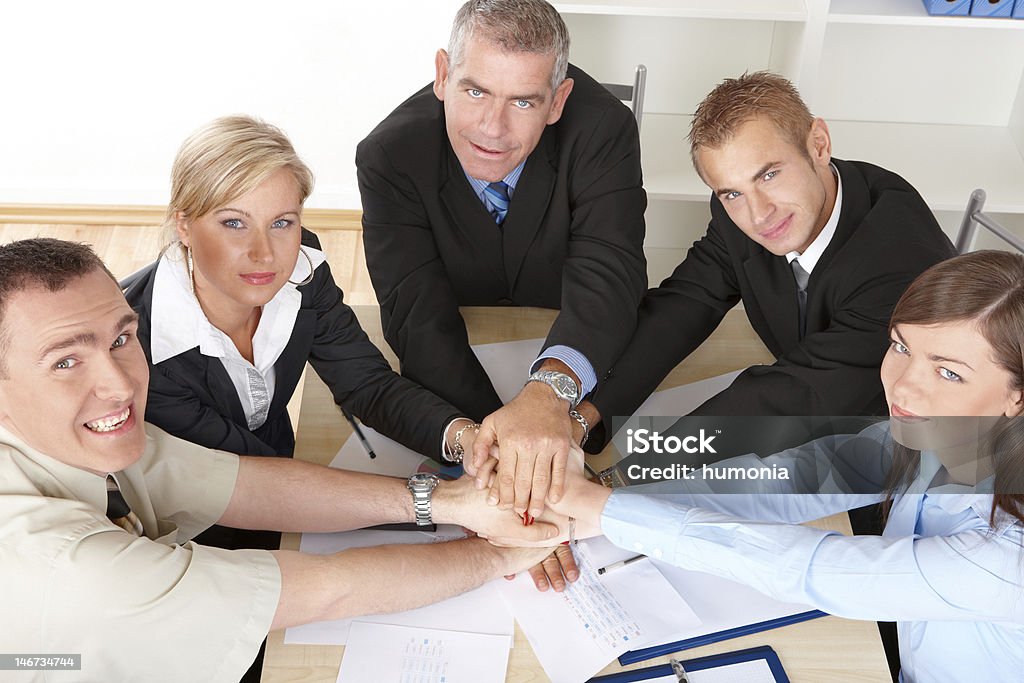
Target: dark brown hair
[987,288]
[41,262]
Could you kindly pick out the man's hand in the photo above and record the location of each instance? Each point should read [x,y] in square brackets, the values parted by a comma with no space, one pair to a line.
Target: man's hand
[556,570]
[533,433]
[460,502]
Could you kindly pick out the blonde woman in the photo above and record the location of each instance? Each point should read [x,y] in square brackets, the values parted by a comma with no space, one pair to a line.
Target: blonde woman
[243,297]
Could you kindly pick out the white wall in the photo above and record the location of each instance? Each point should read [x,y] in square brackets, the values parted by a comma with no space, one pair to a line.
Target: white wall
[97,96]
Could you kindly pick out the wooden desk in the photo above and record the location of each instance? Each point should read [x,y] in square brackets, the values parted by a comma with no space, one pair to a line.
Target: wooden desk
[828,649]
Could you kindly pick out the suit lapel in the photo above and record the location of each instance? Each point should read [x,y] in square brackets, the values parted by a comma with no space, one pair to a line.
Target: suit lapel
[469,216]
[529,205]
[856,204]
[774,289]
[291,362]
[222,392]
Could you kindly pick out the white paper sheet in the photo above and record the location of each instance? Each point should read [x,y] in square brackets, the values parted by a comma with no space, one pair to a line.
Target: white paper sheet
[478,611]
[380,653]
[577,632]
[754,671]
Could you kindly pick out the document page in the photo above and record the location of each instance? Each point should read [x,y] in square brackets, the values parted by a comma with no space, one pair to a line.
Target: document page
[577,632]
[381,653]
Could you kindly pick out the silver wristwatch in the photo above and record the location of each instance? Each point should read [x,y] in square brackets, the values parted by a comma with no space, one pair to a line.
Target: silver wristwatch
[563,385]
[422,486]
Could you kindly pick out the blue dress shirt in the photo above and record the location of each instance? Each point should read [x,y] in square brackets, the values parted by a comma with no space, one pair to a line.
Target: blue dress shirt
[576,361]
[953,582]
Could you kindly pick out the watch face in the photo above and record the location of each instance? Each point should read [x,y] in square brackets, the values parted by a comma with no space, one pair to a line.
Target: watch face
[566,385]
[423,480]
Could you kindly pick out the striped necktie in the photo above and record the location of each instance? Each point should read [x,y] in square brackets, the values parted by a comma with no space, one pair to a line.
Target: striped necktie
[801,276]
[497,195]
[118,510]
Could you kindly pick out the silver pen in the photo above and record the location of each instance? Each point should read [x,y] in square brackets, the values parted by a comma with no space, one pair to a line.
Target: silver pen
[620,563]
[678,670]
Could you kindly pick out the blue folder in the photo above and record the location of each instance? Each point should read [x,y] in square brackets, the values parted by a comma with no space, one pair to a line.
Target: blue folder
[991,8]
[700,663]
[958,7]
[633,656]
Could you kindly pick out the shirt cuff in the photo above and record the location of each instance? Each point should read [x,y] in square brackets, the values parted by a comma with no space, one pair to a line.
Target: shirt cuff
[643,524]
[576,361]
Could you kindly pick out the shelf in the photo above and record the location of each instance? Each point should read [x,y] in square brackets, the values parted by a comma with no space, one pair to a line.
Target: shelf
[762,10]
[908,13]
[945,163]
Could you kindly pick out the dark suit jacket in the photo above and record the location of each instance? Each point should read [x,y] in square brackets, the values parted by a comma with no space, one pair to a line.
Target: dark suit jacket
[192,397]
[886,236]
[572,239]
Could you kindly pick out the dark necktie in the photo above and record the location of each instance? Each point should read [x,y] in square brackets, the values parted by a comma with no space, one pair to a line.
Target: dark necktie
[497,195]
[118,510]
[801,276]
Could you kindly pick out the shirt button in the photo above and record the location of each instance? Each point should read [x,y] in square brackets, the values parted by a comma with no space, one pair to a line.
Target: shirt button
[657,554]
[638,547]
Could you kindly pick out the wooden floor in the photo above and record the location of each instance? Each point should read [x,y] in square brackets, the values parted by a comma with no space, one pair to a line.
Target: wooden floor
[126,248]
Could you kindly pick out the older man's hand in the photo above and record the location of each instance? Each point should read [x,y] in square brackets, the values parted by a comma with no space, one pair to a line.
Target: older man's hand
[533,433]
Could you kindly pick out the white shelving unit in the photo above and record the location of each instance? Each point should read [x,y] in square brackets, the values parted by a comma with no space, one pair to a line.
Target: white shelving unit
[939,100]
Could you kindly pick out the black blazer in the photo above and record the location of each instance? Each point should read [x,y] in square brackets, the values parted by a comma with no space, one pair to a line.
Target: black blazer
[191,395]
[886,236]
[572,239]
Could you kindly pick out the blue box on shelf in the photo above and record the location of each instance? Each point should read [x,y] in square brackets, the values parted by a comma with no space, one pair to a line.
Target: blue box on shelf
[957,7]
[992,8]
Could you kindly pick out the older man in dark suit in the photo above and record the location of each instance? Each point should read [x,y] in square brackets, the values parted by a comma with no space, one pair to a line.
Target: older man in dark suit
[513,180]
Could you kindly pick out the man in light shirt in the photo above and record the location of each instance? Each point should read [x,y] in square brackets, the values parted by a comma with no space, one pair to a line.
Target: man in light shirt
[97,508]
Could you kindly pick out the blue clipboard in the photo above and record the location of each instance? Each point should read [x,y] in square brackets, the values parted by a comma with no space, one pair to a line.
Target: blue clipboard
[633,656]
[700,663]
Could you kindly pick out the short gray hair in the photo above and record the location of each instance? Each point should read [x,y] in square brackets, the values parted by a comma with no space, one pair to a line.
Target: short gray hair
[517,26]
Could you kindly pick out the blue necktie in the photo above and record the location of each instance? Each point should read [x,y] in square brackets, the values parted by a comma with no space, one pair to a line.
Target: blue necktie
[497,194]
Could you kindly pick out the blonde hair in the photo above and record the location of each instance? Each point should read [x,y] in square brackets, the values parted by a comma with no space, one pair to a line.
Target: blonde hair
[226,159]
[736,101]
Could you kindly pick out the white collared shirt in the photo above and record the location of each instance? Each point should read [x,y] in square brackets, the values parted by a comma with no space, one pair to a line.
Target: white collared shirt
[179,324]
[812,254]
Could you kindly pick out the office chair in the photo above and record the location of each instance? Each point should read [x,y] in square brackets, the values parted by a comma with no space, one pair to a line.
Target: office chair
[633,94]
[974,217]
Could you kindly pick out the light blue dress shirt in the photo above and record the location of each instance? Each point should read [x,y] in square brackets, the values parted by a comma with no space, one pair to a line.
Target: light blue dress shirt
[576,361]
[953,582]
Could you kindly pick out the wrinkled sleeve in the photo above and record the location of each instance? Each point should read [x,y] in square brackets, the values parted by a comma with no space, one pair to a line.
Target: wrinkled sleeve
[973,575]
[140,610]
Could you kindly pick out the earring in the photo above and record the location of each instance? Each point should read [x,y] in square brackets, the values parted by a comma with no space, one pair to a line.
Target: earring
[191,270]
[309,278]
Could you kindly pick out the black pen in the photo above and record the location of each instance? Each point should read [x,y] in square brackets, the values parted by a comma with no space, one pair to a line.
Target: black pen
[359,433]
[678,670]
[620,563]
